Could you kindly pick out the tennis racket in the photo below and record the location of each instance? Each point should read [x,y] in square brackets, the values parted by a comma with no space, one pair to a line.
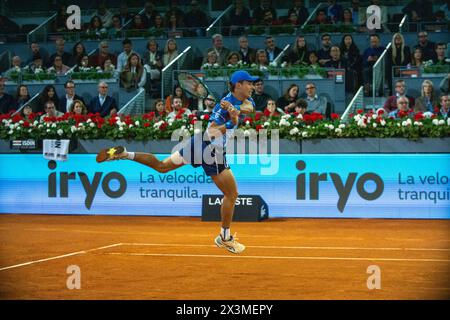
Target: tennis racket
[197,88]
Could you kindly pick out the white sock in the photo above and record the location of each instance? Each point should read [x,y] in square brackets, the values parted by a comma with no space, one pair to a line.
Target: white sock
[130,155]
[225,233]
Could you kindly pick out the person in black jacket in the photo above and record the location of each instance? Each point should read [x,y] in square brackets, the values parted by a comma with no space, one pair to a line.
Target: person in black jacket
[7,102]
[66,101]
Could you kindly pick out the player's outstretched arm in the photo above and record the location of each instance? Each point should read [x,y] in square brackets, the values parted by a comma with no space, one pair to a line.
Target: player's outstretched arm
[246,107]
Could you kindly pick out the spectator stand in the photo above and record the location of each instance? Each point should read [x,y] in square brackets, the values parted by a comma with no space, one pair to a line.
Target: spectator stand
[183,59]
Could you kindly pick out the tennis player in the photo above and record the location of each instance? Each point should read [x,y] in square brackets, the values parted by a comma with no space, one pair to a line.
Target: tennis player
[223,121]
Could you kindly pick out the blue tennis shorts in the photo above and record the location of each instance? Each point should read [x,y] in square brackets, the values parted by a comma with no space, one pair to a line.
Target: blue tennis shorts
[198,152]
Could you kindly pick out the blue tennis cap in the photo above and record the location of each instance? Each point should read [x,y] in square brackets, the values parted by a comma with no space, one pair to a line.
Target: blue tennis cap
[242,76]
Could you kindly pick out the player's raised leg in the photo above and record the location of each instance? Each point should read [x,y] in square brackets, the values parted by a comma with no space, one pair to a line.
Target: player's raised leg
[227,184]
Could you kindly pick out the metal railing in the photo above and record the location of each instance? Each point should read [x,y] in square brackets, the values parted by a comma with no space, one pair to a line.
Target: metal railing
[311,16]
[28,103]
[277,59]
[129,21]
[40,30]
[402,26]
[166,73]
[356,103]
[210,29]
[378,75]
[135,106]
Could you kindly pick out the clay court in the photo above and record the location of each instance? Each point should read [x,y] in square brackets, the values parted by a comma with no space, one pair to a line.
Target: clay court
[175,258]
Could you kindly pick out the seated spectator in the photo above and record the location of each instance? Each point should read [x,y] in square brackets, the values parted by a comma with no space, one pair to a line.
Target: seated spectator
[313,59]
[259,12]
[170,52]
[104,14]
[233,59]
[259,96]
[174,26]
[269,19]
[66,101]
[416,58]
[261,59]
[149,15]
[78,52]
[158,25]
[239,18]
[108,67]
[116,27]
[50,111]
[84,64]
[272,50]
[103,103]
[292,20]
[300,10]
[444,86]
[7,102]
[137,23]
[160,110]
[36,66]
[426,46]
[26,112]
[58,67]
[247,54]
[178,92]
[47,94]
[173,8]
[400,91]
[211,60]
[419,10]
[221,51]
[196,20]
[78,108]
[36,49]
[96,27]
[398,55]
[440,49]
[16,66]
[124,15]
[287,101]
[370,57]
[153,60]
[133,75]
[60,52]
[315,103]
[321,17]
[444,106]
[271,110]
[59,23]
[22,96]
[207,106]
[334,11]
[336,61]
[402,110]
[122,58]
[98,59]
[178,110]
[347,18]
[427,101]
[324,51]
[298,52]
[300,107]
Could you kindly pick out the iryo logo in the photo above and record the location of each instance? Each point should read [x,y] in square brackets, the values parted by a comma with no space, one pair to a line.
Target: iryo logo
[90,188]
[343,189]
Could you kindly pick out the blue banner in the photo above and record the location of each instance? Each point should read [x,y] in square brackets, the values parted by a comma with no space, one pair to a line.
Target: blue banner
[320,186]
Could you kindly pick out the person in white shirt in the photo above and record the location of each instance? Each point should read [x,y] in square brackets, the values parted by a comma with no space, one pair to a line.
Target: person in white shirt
[178,110]
[123,57]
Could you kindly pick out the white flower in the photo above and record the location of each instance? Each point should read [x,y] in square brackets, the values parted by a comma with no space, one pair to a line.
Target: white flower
[294,123]
[338,131]
[60,132]
[48,130]
[40,126]
[304,134]
[266,124]
[441,122]
[247,122]
[92,124]
[331,127]
[436,122]
[341,126]
[121,129]
[38,70]
[361,123]
[216,65]
[300,116]
[17,68]
[136,123]
[286,116]
[398,124]
[273,64]
[374,116]
[89,120]
[253,65]
[12,126]
[73,129]
[293,131]
[263,68]
[283,122]
[383,122]
[409,121]
[418,123]
[53,125]
[35,123]
[357,117]
[374,125]
[284,64]
[427,114]
[10,132]
[229,65]
[170,121]
[404,124]
[131,126]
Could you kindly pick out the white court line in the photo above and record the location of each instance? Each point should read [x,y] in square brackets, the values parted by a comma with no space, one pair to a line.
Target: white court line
[267,257]
[59,257]
[285,247]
